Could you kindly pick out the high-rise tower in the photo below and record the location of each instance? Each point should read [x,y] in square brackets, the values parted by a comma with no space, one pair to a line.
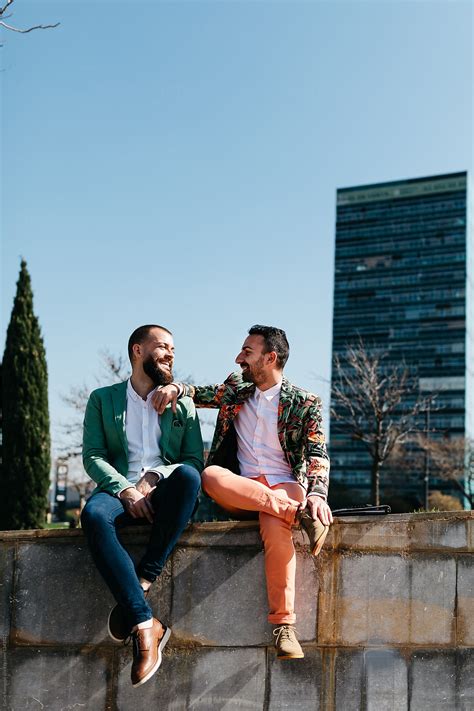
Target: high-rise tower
[404,283]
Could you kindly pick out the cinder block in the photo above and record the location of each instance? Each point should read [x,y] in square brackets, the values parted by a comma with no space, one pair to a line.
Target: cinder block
[44,679]
[219,597]
[409,532]
[433,681]
[349,690]
[372,600]
[433,591]
[386,680]
[327,567]
[6,582]
[230,679]
[61,598]
[169,689]
[465,622]
[372,533]
[442,532]
[465,685]
[222,533]
[308,574]
[296,684]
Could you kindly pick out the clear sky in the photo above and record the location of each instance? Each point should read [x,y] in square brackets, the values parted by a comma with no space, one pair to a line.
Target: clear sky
[177,162]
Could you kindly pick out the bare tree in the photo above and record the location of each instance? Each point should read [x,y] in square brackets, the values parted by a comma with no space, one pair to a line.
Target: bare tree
[376,404]
[23,31]
[452,459]
[114,369]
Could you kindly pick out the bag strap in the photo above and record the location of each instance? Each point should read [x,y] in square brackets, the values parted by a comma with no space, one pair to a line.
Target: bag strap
[367,510]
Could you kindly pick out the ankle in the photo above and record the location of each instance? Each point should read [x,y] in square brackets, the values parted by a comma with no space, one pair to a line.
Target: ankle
[143,625]
[145,584]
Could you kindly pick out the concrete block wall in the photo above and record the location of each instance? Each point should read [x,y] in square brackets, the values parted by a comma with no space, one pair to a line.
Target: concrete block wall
[385,615]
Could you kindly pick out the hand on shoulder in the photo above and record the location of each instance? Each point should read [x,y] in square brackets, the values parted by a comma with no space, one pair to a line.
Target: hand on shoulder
[164,395]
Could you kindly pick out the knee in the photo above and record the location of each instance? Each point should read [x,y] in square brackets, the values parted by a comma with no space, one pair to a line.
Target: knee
[189,477]
[93,518]
[209,476]
[90,518]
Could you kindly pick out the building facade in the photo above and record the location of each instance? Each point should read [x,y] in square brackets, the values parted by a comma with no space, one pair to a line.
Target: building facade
[403,284]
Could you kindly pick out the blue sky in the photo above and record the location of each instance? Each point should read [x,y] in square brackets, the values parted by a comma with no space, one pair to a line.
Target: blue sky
[177,162]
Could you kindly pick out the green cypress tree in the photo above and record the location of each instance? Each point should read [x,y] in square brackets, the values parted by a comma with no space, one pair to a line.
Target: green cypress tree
[26,438]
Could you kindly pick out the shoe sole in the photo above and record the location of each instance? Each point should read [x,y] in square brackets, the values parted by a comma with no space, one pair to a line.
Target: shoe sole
[290,656]
[161,646]
[112,636]
[320,542]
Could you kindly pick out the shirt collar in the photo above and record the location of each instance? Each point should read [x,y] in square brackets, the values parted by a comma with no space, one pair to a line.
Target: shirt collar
[134,395]
[270,393]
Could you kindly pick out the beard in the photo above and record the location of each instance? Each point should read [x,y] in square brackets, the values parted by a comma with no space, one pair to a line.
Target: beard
[254,374]
[157,374]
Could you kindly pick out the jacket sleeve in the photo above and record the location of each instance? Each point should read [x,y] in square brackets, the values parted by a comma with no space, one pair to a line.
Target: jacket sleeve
[192,448]
[209,396]
[317,458]
[95,453]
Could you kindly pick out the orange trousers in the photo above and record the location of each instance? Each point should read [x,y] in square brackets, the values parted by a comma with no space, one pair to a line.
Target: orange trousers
[275,508]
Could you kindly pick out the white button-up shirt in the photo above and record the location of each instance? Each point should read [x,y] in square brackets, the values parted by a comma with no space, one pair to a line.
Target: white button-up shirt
[142,427]
[258,448]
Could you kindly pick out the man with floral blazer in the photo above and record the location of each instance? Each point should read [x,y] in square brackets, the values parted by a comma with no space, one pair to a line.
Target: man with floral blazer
[268,460]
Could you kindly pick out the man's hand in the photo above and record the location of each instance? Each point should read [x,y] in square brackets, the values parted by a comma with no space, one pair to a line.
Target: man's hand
[165,395]
[147,483]
[136,504]
[318,508]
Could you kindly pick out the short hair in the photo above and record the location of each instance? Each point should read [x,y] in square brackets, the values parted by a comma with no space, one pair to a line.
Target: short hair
[140,335]
[275,340]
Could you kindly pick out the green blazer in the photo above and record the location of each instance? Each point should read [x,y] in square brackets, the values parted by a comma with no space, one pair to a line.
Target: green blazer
[105,450]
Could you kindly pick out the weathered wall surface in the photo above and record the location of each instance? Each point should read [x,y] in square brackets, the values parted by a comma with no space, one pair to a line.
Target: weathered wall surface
[386,617]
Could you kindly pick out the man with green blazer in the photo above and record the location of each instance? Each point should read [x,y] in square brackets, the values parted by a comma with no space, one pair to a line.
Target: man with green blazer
[147,469]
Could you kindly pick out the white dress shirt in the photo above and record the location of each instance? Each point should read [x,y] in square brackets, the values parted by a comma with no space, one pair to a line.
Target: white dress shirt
[142,427]
[258,448]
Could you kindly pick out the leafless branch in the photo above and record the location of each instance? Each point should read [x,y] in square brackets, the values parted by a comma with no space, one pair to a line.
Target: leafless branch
[452,459]
[11,28]
[29,29]
[371,401]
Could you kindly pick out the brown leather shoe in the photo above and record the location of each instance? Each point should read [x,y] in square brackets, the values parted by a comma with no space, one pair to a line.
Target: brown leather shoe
[118,627]
[315,530]
[148,645]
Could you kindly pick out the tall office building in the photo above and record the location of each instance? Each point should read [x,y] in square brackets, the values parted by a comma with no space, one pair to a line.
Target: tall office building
[404,279]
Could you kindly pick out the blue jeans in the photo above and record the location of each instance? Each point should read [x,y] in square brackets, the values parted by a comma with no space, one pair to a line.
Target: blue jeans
[174,501]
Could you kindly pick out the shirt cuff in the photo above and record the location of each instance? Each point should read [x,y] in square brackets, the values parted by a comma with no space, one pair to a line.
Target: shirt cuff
[158,474]
[180,388]
[119,494]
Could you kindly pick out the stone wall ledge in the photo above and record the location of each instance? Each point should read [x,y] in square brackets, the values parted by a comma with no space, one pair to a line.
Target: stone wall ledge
[450,531]
[385,617]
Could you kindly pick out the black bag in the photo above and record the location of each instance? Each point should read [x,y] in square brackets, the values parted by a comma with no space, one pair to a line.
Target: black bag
[367,510]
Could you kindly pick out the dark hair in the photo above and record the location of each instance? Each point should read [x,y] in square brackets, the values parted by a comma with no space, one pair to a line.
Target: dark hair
[275,340]
[140,335]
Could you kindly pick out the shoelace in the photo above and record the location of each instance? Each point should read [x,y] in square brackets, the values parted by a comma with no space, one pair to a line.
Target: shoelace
[284,632]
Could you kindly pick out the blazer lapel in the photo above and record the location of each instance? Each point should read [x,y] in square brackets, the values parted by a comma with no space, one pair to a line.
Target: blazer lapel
[166,420]
[284,409]
[243,392]
[119,401]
